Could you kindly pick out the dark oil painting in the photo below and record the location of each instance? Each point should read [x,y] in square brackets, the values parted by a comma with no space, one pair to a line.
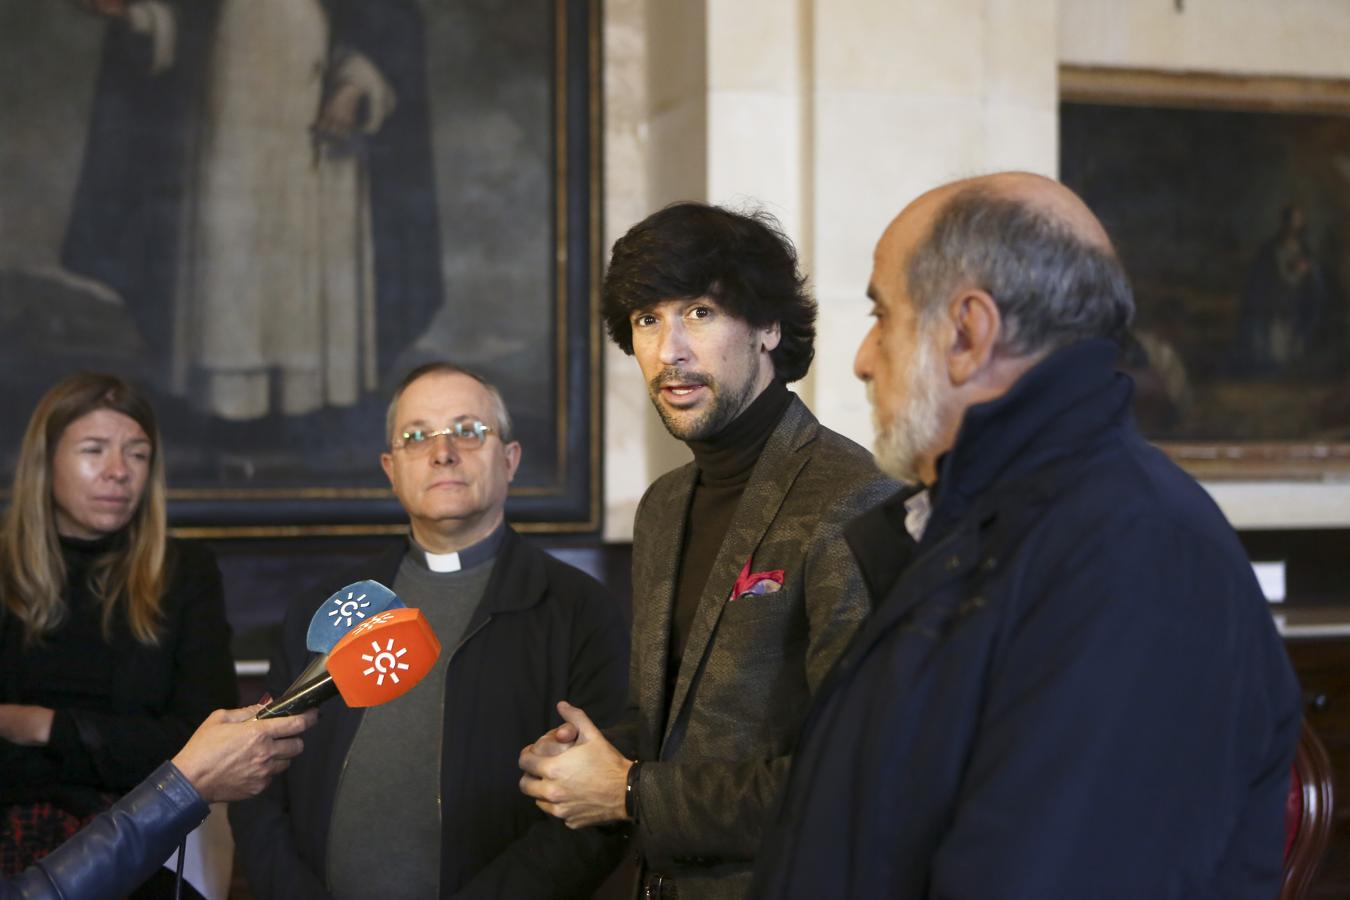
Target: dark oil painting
[265,213]
[1235,229]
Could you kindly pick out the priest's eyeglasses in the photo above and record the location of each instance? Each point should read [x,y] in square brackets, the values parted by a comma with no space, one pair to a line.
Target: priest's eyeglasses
[465,433]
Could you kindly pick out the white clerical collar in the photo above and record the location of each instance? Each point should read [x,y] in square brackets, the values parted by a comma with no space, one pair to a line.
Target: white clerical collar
[917,510]
[443,562]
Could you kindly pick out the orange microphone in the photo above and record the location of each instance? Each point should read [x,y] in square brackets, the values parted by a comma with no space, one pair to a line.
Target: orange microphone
[382,658]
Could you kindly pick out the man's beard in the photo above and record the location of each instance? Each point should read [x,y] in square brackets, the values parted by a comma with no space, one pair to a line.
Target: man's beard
[915,428]
[726,405]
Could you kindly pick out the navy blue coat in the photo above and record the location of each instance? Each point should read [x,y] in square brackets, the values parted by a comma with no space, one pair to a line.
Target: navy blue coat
[1071,687]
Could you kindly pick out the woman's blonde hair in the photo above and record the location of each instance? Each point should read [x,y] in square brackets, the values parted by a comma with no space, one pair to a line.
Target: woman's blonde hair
[32,571]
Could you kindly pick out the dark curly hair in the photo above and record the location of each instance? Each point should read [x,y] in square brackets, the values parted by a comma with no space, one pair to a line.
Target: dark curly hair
[743,261]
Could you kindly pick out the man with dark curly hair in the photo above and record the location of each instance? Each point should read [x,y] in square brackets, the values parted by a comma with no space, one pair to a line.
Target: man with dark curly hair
[744,590]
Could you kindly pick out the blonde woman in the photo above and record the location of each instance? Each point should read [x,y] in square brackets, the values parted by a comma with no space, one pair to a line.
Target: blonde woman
[113,639]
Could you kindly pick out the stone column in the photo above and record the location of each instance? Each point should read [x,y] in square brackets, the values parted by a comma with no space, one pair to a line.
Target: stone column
[908,95]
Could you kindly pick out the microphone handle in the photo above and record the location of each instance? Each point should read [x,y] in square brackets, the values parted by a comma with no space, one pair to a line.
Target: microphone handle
[310,695]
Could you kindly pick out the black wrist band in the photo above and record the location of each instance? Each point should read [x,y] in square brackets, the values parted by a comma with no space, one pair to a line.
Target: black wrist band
[630,792]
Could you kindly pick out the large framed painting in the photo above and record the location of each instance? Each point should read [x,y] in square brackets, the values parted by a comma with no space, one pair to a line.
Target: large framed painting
[266,213]
[1229,201]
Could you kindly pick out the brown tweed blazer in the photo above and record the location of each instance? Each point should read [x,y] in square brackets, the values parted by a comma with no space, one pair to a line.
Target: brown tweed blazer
[713,767]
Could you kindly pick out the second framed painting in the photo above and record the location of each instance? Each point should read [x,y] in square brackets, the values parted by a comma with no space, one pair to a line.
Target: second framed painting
[1229,201]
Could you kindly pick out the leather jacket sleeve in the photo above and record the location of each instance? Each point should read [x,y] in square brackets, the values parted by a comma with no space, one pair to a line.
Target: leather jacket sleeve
[117,851]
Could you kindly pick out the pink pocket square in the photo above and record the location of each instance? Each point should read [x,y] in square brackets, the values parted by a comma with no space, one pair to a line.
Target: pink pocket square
[756,584]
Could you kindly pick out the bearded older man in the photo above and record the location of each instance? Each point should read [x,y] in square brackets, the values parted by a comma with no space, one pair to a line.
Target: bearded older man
[1071,686]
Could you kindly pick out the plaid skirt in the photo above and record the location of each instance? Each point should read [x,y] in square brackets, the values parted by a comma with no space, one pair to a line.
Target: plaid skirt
[29,831]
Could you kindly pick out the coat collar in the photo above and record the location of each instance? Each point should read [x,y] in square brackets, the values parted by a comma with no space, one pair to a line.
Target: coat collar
[1057,408]
[773,475]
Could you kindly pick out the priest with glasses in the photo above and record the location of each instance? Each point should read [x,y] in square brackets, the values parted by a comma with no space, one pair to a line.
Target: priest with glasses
[419,798]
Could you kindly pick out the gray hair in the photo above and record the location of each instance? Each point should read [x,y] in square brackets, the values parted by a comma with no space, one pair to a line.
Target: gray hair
[499,411]
[1052,287]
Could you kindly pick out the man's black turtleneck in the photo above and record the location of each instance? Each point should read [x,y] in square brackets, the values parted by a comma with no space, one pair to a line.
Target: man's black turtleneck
[724,462]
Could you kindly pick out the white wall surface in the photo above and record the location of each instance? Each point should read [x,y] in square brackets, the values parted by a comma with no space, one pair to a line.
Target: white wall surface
[834,115]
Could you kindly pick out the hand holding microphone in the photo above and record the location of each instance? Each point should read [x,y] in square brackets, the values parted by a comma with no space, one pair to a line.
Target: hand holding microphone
[232,756]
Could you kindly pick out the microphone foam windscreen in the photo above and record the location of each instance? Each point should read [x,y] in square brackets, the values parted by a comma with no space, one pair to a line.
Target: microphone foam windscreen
[348,608]
[384,657]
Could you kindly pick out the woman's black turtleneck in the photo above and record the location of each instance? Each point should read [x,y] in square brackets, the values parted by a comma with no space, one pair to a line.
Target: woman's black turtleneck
[724,462]
[73,666]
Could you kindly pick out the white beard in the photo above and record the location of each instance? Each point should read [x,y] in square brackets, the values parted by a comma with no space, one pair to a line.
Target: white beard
[914,429]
